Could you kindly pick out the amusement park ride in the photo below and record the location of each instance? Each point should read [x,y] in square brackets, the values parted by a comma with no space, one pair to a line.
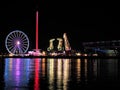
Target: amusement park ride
[17,44]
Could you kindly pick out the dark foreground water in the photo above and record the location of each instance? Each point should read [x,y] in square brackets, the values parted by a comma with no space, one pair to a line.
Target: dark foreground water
[59,74]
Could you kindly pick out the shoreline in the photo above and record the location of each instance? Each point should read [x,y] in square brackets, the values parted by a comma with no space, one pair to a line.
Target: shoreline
[84,57]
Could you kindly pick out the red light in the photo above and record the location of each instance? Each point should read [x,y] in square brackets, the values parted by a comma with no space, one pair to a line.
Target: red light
[36,83]
[36,30]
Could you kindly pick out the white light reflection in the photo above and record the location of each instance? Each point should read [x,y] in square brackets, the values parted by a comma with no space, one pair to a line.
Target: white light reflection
[59,73]
[66,73]
[78,69]
[86,61]
[50,69]
[43,67]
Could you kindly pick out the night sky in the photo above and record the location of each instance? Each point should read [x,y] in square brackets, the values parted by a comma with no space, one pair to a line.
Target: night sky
[79,20]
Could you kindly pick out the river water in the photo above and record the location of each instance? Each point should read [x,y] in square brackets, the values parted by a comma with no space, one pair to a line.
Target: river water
[58,74]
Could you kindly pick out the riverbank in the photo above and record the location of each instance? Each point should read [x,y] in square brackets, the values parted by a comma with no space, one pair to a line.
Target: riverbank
[92,57]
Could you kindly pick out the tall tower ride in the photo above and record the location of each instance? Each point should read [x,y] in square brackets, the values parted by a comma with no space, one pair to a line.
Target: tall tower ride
[37,30]
[37,51]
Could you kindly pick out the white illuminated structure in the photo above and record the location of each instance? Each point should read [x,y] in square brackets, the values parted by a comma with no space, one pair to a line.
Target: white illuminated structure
[17,42]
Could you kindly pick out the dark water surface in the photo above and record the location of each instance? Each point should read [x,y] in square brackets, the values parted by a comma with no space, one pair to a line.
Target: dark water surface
[58,74]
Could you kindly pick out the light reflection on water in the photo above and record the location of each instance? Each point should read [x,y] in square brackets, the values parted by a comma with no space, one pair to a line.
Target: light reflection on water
[16,73]
[59,74]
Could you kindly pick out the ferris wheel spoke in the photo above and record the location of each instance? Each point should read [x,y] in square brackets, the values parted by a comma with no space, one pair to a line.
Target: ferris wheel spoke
[14,50]
[24,39]
[8,42]
[25,44]
[17,34]
[10,37]
[10,47]
[14,34]
[21,35]
[23,49]
[20,50]
[11,50]
[24,36]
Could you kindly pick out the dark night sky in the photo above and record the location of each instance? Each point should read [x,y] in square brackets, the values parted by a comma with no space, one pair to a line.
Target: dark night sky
[80,21]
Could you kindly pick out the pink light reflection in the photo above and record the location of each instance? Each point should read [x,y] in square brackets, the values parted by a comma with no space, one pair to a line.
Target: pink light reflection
[36,78]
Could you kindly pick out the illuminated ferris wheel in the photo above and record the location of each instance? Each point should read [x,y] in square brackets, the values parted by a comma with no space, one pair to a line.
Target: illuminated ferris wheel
[17,42]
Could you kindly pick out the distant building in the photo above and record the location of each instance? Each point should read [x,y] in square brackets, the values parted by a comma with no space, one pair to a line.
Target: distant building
[111,48]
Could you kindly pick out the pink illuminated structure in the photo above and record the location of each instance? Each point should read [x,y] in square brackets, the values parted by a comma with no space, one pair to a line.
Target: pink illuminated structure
[36,51]
[37,30]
